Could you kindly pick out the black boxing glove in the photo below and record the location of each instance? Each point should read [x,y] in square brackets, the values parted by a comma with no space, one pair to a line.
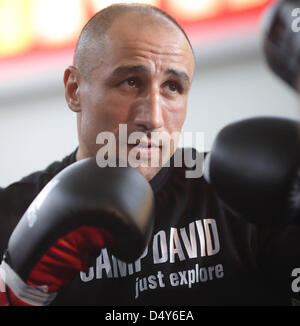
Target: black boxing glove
[281,42]
[82,210]
[254,167]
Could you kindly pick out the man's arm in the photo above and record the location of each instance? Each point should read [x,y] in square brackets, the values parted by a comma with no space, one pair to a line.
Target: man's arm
[82,210]
[14,200]
[254,168]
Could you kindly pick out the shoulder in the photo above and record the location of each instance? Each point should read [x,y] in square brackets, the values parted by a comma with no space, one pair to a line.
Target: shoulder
[15,199]
[26,189]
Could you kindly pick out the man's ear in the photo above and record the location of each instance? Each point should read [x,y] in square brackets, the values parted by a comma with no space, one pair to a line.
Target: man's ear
[71,81]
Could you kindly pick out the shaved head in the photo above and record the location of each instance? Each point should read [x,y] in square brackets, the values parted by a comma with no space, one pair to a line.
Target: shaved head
[95,32]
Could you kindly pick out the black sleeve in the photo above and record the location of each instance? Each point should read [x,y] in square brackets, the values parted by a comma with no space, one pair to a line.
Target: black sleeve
[14,200]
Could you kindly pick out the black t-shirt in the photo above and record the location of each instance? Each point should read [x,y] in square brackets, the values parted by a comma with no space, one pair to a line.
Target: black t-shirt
[199,254]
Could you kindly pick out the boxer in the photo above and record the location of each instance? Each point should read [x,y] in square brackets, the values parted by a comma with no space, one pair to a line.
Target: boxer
[134,65]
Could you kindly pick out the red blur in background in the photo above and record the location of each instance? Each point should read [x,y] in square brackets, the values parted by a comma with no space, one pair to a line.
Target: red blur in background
[37,36]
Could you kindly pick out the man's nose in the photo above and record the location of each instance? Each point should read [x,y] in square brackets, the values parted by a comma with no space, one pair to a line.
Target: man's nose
[149,115]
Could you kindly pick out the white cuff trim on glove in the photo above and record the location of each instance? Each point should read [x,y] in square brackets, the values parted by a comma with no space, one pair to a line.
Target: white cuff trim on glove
[33,295]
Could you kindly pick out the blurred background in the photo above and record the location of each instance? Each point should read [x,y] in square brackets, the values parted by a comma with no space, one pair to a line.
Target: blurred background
[37,40]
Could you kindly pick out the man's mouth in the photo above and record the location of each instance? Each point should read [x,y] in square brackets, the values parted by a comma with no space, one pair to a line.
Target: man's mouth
[145,149]
[147,144]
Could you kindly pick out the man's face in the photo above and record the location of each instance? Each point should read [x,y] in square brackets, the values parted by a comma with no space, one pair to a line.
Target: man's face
[141,78]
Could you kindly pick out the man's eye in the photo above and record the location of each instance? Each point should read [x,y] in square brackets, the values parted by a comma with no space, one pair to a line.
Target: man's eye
[173,87]
[129,84]
[132,82]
